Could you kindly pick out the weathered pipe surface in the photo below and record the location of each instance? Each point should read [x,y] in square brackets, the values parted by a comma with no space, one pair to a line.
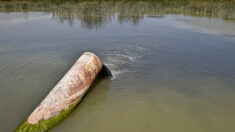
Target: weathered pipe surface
[65,95]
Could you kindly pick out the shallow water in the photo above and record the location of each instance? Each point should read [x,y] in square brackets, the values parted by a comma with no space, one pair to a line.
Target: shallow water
[172,71]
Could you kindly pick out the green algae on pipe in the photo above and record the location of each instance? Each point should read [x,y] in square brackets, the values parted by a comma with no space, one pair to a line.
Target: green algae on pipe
[64,96]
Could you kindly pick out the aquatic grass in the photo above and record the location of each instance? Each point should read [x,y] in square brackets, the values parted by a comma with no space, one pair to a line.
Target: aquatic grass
[94,13]
[66,9]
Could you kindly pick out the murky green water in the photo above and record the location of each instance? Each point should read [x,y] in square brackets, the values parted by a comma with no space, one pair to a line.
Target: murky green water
[173,63]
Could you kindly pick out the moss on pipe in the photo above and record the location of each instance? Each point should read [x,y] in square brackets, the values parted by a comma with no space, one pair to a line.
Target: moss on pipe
[45,125]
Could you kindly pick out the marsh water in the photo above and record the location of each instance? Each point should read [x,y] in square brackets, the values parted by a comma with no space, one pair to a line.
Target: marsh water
[173,63]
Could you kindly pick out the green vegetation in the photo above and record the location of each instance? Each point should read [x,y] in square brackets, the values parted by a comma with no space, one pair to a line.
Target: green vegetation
[45,125]
[124,8]
[94,13]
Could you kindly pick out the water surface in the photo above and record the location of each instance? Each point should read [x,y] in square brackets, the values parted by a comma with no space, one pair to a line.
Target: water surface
[174,68]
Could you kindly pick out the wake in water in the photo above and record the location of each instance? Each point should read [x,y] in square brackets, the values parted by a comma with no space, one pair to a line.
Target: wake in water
[120,59]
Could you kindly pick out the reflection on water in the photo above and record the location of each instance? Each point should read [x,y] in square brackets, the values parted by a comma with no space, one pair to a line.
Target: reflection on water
[204,25]
[172,62]
[94,14]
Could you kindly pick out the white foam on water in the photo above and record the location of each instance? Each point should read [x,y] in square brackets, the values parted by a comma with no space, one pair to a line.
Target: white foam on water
[109,64]
[116,73]
[114,68]
[118,60]
[131,58]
